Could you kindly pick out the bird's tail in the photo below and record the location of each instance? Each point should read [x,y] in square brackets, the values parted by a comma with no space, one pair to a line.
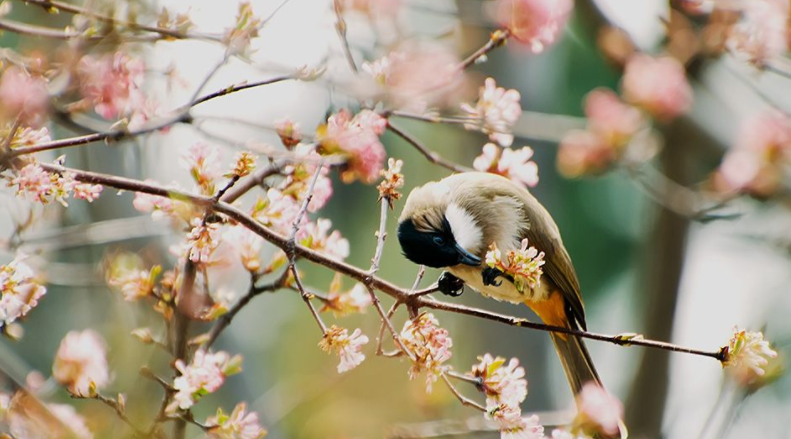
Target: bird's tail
[576,361]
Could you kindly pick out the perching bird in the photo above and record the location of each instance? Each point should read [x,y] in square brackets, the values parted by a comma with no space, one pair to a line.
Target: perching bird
[451,223]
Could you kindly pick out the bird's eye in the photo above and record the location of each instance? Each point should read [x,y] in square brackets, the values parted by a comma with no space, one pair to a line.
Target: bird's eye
[439,240]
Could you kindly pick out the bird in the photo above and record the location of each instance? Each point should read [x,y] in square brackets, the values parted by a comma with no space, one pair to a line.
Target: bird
[450,224]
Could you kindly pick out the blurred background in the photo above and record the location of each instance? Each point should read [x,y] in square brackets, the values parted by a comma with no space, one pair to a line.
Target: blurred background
[643,268]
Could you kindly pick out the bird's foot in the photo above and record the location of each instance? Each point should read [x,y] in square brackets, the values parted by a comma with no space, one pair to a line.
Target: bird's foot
[450,285]
[489,276]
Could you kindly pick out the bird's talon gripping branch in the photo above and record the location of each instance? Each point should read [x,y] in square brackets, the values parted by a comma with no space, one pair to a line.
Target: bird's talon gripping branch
[490,275]
[450,285]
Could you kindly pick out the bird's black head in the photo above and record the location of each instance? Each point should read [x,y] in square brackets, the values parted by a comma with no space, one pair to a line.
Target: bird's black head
[435,248]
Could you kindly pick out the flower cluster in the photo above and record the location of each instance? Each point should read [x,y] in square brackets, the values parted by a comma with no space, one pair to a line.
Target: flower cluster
[757,163]
[203,163]
[430,344]
[357,138]
[111,84]
[347,347]
[81,363]
[515,165]
[240,424]
[505,388]
[238,37]
[747,356]
[599,412]
[243,165]
[164,207]
[536,23]
[299,176]
[35,184]
[26,136]
[523,265]
[392,182]
[342,303]
[611,126]
[205,374]
[247,246]
[24,96]
[512,425]
[762,32]
[289,132]
[19,291]
[202,240]
[496,111]
[317,236]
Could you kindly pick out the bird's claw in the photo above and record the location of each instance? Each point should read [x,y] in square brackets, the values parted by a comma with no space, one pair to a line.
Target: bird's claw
[490,275]
[450,285]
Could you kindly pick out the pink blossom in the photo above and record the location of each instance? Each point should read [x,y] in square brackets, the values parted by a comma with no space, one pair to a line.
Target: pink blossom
[611,119]
[599,411]
[237,425]
[87,192]
[205,374]
[347,347]
[134,282]
[300,176]
[161,207]
[431,346]
[524,265]
[70,418]
[202,240]
[353,301]
[247,246]
[380,8]
[512,164]
[238,37]
[762,33]
[501,383]
[23,96]
[755,163]
[111,83]
[512,425]
[19,291]
[289,132]
[315,236]
[29,136]
[416,76]
[277,211]
[81,363]
[658,85]
[747,355]
[536,23]
[358,138]
[203,162]
[34,183]
[496,111]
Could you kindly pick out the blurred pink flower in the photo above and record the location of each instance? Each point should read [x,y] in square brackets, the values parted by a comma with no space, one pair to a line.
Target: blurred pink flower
[299,176]
[762,33]
[247,245]
[416,76]
[599,411]
[347,347]
[358,139]
[28,418]
[277,211]
[610,118]
[111,83]
[381,8]
[315,236]
[246,27]
[512,164]
[243,164]
[536,23]
[29,136]
[496,111]
[70,418]
[134,283]
[203,162]
[501,383]
[658,85]
[512,425]
[19,291]
[755,164]
[23,96]
[81,362]
[747,355]
[86,191]
[583,152]
[205,374]
[431,346]
[237,425]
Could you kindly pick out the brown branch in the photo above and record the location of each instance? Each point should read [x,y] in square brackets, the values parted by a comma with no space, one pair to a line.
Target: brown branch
[416,299]
[497,39]
[255,179]
[340,27]
[462,399]
[432,156]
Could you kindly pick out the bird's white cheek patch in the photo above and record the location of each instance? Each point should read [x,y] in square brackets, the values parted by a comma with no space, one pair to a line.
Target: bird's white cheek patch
[465,230]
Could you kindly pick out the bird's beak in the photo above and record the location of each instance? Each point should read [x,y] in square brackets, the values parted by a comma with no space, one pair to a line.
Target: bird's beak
[467,258]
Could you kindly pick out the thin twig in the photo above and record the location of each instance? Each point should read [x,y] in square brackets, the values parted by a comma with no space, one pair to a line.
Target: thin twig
[463,399]
[497,39]
[432,156]
[118,408]
[340,27]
